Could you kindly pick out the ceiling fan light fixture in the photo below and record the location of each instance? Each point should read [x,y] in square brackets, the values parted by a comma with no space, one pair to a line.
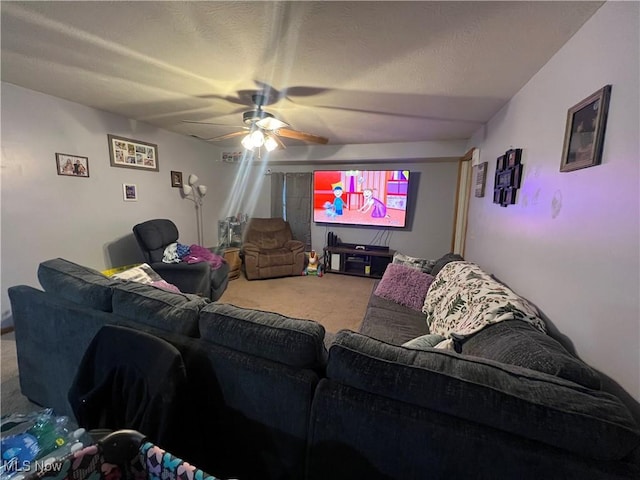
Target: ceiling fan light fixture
[257,138]
[270,144]
[247,142]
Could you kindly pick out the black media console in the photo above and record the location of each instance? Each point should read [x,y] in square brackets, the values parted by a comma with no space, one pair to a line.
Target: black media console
[360,260]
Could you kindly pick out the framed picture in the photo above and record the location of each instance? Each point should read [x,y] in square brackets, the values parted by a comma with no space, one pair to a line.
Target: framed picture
[505,179]
[129,192]
[517,176]
[176,179]
[584,131]
[481,178]
[510,196]
[508,177]
[513,157]
[72,165]
[129,153]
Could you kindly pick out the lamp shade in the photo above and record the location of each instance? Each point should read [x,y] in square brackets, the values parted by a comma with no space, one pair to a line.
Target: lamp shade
[187,189]
[257,138]
[270,144]
[202,190]
[193,178]
[247,143]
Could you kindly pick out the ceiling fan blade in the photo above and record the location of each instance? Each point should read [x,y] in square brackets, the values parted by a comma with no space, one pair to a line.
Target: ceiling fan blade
[298,135]
[271,123]
[225,137]
[212,123]
[281,145]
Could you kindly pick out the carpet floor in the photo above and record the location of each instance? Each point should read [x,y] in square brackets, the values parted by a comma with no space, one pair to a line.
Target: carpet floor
[335,301]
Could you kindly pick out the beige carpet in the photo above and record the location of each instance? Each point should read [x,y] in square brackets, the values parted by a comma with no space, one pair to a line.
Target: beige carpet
[12,399]
[335,301]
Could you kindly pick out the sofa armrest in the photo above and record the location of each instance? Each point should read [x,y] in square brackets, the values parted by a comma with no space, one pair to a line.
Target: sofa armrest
[251,249]
[188,277]
[295,246]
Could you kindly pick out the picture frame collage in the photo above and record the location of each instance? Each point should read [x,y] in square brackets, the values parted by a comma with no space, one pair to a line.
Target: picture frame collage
[129,153]
[508,177]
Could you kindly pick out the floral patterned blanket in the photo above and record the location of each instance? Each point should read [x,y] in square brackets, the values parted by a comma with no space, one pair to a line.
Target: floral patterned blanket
[463,299]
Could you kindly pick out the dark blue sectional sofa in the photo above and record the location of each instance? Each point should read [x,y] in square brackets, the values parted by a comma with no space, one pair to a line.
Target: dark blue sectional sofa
[267,400]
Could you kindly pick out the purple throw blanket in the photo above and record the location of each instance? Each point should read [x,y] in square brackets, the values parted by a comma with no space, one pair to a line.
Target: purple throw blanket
[201,254]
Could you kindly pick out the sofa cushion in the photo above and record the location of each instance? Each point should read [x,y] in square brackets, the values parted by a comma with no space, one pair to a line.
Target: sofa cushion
[404,285]
[275,257]
[518,343]
[169,311]
[76,283]
[391,322]
[292,341]
[531,404]
[443,260]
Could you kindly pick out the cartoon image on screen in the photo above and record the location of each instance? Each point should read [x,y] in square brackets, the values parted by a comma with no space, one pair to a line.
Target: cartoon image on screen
[361,197]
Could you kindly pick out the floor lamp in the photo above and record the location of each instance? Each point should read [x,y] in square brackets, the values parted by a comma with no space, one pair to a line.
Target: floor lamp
[196,193]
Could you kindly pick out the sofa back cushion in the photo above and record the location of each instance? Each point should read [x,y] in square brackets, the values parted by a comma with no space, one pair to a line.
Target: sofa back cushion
[518,343]
[295,342]
[76,283]
[153,236]
[169,311]
[524,402]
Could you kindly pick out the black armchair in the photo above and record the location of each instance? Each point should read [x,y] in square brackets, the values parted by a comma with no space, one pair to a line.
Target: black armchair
[154,236]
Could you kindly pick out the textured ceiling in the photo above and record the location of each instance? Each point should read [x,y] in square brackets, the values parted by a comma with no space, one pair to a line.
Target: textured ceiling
[355,72]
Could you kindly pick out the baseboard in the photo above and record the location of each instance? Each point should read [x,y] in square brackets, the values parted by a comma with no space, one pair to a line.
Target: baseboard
[4,330]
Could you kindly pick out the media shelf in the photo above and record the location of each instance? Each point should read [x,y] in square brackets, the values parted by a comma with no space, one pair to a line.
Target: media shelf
[370,262]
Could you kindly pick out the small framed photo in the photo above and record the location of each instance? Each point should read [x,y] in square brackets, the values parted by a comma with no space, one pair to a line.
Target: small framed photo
[129,192]
[513,157]
[501,163]
[510,196]
[584,131]
[72,165]
[505,178]
[517,176]
[176,179]
[129,153]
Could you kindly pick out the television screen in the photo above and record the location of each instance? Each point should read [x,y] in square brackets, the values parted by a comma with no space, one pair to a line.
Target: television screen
[361,197]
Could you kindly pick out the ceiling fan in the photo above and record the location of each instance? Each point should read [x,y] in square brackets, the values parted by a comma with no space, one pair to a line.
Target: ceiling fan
[263,129]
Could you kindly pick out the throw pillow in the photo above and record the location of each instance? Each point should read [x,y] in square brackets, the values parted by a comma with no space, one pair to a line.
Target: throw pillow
[414,262]
[141,273]
[424,341]
[404,285]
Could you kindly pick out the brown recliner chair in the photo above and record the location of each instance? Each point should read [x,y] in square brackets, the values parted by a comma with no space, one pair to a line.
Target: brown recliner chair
[270,251]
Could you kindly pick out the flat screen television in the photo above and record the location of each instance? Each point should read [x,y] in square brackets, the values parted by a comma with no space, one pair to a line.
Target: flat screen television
[361,197]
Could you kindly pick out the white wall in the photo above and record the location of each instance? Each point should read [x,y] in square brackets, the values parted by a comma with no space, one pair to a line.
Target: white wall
[45,215]
[430,232]
[571,244]
[85,220]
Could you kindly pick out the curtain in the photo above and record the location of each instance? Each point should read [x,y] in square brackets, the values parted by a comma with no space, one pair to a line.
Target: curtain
[277,200]
[291,200]
[297,200]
